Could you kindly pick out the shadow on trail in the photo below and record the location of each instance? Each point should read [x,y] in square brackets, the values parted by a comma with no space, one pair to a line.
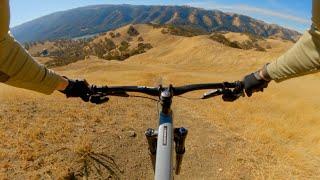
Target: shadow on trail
[96,166]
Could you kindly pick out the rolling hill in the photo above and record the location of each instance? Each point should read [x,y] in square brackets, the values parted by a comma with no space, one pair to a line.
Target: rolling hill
[100,18]
[130,40]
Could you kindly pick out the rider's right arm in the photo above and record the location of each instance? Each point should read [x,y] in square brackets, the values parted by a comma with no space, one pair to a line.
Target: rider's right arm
[304,57]
[4,18]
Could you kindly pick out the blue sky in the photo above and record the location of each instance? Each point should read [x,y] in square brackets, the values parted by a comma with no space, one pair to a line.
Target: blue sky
[293,14]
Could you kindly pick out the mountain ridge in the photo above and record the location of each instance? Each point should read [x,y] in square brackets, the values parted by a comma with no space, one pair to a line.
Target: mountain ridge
[100,18]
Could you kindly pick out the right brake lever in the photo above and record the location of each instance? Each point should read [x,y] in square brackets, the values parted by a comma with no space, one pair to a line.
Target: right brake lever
[212,93]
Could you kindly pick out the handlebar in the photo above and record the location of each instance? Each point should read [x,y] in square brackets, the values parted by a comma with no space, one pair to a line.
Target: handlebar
[234,89]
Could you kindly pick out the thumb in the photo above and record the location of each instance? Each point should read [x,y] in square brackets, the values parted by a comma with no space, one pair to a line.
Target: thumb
[85,98]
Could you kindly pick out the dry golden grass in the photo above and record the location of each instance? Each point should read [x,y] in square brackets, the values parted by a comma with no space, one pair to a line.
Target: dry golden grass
[272,135]
[232,36]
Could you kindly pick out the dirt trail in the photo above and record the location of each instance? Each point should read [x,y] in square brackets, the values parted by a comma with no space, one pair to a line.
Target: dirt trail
[91,140]
[83,140]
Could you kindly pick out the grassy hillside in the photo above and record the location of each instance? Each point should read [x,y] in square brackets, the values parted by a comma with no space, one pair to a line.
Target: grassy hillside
[272,135]
[127,41]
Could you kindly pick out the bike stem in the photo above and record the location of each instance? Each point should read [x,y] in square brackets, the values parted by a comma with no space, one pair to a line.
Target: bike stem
[166,100]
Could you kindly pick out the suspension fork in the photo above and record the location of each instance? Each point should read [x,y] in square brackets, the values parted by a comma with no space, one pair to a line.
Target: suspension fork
[152,138]
[180,135]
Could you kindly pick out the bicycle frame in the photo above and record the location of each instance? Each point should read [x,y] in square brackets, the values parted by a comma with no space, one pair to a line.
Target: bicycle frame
[161,142]
[164,161]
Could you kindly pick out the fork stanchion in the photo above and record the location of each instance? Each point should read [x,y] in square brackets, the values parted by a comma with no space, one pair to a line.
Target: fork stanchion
[180,135]
[152,137]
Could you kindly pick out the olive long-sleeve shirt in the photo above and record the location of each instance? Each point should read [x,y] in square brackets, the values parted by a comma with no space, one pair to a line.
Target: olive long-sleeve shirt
[304,57]
[17,67]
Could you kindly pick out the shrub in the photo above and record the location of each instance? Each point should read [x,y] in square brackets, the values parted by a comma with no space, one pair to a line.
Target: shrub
[155,26]
[145,45]
[186,31]
[124,46]
[259,48]
[68,51]
[112,35]
[132,31]
[219,38]
[113,54]
[140,39]
[246,45]
[235,44]
[109,44]
[118,34]
[165,31]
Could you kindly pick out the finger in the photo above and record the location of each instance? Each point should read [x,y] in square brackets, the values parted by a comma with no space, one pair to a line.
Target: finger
[249,93]
[103,100]
[85,98]
[98,99]
[229,97]
[225,98]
